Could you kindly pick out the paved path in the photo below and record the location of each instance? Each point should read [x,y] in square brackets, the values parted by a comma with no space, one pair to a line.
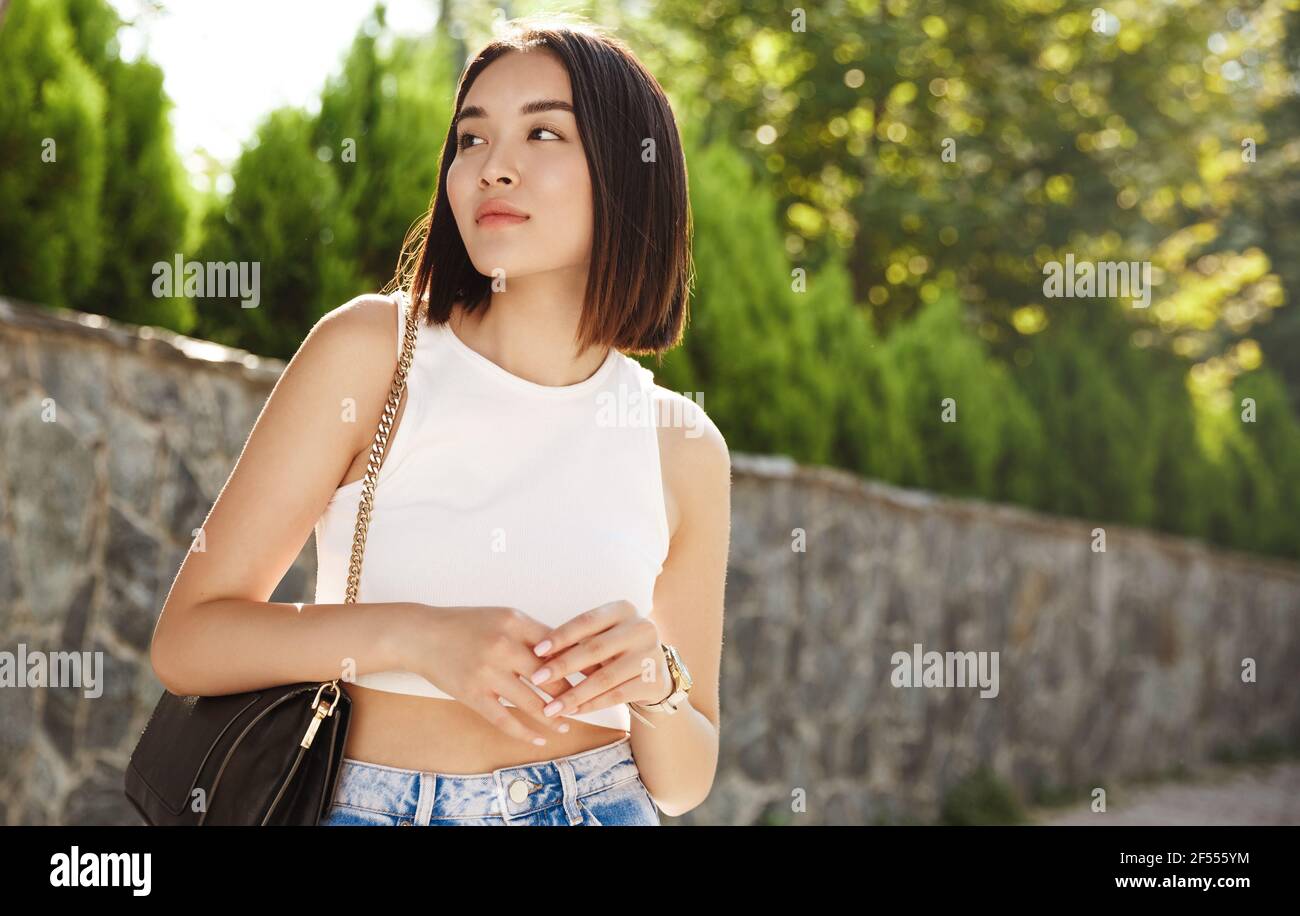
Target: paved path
[1254,795]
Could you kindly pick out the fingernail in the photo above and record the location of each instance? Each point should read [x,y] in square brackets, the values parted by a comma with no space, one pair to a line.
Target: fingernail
[554,707]
[539,741]
[542,647]
[542,676]
[564,728]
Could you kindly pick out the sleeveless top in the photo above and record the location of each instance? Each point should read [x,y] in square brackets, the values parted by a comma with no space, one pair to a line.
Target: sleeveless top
[497,491]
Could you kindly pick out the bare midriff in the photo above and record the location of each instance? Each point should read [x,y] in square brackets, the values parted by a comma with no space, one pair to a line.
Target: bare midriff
[446,736]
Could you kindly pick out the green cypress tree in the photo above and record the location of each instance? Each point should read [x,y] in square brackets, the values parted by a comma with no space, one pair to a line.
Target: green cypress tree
[146,198]
[52,157]
[283,214]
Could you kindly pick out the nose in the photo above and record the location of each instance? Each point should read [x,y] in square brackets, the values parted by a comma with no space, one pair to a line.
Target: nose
[494,171]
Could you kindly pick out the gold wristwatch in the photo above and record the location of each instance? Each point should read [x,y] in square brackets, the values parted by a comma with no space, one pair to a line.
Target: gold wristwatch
[681,684]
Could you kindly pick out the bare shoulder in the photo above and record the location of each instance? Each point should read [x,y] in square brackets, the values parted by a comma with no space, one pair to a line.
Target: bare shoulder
[356,355]
[695,458]
[368,320]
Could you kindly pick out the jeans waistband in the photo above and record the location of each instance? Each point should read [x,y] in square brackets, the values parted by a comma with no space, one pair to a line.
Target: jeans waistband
[508,792]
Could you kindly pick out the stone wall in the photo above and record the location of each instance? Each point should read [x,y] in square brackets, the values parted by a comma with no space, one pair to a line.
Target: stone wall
[1119,665]
[1110,665]
[114,442]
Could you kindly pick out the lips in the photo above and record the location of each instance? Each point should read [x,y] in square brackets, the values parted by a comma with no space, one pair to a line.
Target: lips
[498,213]
[501,219]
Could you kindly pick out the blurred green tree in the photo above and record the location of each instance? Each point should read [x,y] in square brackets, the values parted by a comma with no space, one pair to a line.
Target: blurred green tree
[980,140]
[324,201]
[52,157]
[284,216]
[146,197]
[978,434]
[381,125]
[751,348]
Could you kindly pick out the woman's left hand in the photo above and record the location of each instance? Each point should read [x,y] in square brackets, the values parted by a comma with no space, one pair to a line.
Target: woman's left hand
[617,650]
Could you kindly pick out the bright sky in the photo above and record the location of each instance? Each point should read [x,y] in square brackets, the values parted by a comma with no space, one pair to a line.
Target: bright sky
[227,64]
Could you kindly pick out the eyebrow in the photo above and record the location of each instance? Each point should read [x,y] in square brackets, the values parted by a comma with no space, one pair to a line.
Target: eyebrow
[534,107]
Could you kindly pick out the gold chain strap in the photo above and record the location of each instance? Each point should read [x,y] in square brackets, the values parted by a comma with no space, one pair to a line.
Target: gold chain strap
[325,707]
[378,448]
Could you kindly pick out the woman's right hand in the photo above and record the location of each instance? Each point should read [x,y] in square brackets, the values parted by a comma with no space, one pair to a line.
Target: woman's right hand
[477,654]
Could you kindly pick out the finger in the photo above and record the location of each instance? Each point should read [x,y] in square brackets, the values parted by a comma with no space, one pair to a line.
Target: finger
[561,685]
[623,671]
[556,687]
[625,692]
[584,625]
[527,629]
[595,650]
[529,704]
[524,664]
[490,708]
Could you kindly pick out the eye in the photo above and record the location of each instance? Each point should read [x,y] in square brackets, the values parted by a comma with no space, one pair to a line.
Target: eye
[463,139]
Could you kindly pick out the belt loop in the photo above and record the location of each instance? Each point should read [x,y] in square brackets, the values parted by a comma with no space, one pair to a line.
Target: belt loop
[570,789]
[499,779]
[428,789]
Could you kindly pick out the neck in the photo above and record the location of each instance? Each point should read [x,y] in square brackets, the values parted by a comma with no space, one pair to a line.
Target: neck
[529,331]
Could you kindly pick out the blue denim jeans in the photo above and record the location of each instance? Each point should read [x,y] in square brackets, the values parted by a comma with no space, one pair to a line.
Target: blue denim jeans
[600,787]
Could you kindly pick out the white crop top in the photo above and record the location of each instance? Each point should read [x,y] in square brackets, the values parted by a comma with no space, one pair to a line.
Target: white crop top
[497,491]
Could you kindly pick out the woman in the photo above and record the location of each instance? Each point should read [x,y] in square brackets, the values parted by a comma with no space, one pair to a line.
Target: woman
[539,495]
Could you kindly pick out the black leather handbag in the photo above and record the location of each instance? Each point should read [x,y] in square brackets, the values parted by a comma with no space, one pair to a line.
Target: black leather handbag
[266,757]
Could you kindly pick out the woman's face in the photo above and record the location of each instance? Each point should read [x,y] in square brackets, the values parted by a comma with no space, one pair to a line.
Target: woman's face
[534,162]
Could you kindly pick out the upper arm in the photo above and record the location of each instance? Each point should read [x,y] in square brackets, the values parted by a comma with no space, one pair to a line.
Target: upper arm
[688,597]
[323,410]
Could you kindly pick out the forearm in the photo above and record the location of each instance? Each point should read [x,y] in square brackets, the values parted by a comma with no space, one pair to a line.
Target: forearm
[678,758]
[229,646]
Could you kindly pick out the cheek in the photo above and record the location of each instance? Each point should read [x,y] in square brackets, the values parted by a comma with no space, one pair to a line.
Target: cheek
[570,188]
[458,191]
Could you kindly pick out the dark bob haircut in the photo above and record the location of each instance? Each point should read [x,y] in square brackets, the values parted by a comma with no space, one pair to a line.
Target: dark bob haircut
[641,271]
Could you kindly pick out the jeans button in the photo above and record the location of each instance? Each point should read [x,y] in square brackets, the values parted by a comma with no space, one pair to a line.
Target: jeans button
[519,790]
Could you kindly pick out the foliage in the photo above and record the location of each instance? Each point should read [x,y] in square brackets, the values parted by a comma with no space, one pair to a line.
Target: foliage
[146,199]
[284,216]
[92,192]
[849,278]
[981,798]
[52,157]
[323,201]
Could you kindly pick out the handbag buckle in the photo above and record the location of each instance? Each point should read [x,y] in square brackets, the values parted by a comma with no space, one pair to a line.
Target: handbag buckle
[322,711]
